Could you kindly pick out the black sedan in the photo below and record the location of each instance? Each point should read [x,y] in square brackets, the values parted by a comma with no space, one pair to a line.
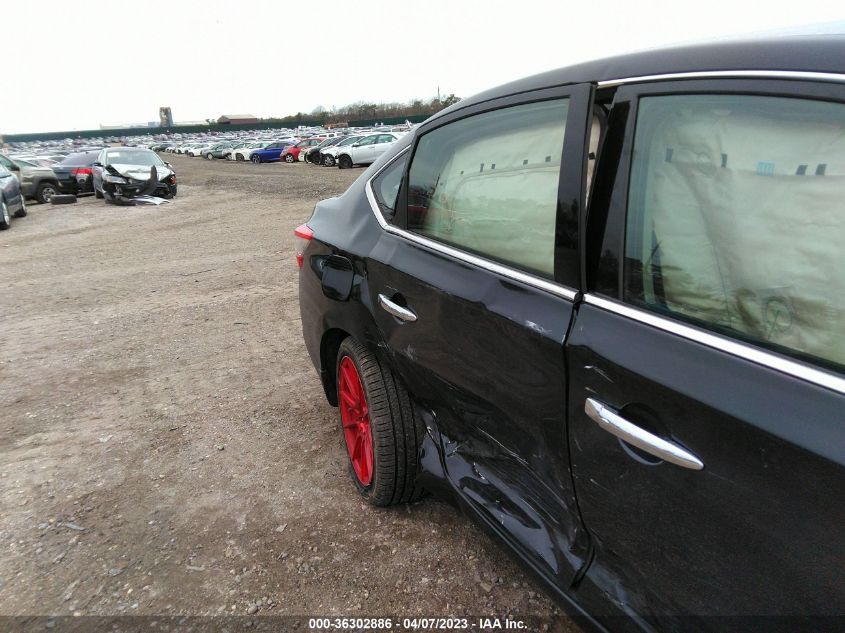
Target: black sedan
[604,309]
[75,172]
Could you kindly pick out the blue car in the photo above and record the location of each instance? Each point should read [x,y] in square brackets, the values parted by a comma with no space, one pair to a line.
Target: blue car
[270,153]
[11,198]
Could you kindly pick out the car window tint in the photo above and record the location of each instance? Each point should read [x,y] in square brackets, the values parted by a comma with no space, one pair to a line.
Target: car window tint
[386,186]
[735,218]
[5,162]
[488,184]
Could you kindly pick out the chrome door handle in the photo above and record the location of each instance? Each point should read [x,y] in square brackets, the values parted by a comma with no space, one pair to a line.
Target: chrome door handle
[396,310]
[614,423]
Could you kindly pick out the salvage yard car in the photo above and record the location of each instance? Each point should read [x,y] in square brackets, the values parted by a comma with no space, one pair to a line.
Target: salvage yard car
[268,152]
[328,156]
[12,200]
[126,172]
[366,150]
[291,153]
[37,183]
[604,308]
[76,172]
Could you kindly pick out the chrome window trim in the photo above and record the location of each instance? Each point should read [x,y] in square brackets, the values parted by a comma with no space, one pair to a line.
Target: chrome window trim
[537,282]
[722,343]
[727,74]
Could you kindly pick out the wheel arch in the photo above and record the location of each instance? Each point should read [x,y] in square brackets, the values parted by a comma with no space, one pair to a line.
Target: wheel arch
[329,346]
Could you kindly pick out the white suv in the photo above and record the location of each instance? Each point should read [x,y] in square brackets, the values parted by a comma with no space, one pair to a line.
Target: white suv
[366,150]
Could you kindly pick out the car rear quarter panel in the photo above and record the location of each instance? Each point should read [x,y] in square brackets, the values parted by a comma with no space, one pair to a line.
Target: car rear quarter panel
[344,226]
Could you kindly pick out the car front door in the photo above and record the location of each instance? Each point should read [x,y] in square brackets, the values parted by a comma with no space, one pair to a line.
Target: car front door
[364,150]
[706,361]
[482,253]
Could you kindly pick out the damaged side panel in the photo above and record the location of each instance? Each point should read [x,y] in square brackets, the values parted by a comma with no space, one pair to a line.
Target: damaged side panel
[484,359]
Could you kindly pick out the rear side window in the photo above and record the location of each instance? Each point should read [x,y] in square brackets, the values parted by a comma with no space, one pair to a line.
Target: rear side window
[488,184]
[736,219]
[81,158]
[386,186]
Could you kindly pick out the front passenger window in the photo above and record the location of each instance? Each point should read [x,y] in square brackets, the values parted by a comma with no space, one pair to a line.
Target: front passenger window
[488,184]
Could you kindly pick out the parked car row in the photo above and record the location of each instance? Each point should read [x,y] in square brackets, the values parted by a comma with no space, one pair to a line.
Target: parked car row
[343,151]
[110,173]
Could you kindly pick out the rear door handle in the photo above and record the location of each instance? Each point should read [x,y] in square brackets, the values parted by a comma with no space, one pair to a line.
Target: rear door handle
[396,310]
[614,423]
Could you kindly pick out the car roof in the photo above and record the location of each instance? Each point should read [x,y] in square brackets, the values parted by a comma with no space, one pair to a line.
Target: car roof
[799,53]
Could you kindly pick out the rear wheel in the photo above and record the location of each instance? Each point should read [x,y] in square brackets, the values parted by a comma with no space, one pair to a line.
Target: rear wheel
[256,159]
[381,432]
[45,192]
[344,162]
[209,156]
[289,158]
[239,157]
[328,160]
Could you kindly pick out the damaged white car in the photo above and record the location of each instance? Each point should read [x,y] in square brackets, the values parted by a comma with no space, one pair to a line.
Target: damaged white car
[123,173]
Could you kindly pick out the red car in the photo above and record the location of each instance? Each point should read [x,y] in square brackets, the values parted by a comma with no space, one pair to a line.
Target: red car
[291,154]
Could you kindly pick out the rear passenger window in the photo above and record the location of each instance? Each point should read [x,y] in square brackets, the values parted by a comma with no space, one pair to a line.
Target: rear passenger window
[736,219]
[488,184]
[386,186]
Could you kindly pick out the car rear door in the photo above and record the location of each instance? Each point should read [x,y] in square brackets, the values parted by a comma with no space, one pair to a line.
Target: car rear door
[382,144]
[480,265]
[706,361]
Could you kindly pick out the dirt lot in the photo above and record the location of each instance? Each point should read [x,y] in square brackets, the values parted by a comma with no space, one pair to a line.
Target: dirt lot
[165,447]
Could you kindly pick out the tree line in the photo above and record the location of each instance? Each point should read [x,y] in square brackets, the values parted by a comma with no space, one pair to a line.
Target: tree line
[364,110]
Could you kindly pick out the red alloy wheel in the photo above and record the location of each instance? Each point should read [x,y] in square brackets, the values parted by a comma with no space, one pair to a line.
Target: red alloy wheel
[355,417]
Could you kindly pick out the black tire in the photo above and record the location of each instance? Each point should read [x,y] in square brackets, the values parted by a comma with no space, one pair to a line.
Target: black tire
[328,160]
[45,191]
[5,218]
[209,156]
[239,157]
[344,162]
[396,432]
[98,194]
[21,213]
[289,158]
[64,198]
[255,159]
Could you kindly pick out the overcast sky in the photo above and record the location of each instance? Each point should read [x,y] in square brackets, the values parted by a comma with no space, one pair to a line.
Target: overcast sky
[88,63]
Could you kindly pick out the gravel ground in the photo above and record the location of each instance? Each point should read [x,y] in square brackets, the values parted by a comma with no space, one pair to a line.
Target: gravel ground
[165,447]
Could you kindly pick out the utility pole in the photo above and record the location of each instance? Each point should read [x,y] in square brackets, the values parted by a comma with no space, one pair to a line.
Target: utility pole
[438,93]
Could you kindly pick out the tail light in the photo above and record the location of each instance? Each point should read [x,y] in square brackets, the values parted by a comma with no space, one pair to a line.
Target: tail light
[81,171]
[304,233]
